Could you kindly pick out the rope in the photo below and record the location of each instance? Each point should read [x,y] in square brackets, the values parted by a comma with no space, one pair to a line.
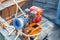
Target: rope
[19,7]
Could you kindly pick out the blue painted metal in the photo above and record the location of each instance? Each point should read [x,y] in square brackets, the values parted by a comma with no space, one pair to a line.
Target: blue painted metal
[58,14]
[17,23]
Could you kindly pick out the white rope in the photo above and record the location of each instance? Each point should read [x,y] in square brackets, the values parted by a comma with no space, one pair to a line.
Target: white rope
[16,12]
[19,7]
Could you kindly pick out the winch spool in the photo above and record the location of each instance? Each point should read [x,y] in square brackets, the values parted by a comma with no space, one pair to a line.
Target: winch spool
[20,22]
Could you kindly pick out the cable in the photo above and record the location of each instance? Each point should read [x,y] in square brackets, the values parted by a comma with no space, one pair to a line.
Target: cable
[19,7]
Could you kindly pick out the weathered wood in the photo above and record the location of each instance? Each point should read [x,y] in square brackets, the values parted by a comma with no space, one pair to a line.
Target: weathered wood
[10,11]
[1,1]
[5,13]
